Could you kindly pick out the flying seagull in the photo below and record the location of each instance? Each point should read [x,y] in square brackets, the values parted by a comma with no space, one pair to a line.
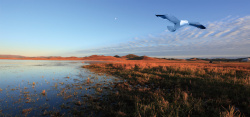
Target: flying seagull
[179,23]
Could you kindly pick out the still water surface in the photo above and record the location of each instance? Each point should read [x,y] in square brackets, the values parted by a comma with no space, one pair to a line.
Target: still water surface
[65,83]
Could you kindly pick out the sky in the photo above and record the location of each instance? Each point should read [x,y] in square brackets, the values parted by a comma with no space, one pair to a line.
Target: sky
[120,27]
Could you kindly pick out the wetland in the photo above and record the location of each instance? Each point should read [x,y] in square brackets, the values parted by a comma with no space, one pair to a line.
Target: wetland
[48,88]
[149,87]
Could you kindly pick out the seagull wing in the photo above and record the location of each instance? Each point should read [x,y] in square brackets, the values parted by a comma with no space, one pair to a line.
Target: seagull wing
[197,24]
[171,18]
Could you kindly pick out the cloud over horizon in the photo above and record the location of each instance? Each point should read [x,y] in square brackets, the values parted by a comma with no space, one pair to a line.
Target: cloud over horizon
[227,37]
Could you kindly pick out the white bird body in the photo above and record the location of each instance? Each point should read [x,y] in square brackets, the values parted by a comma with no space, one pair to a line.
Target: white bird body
[183,22]
[179,23]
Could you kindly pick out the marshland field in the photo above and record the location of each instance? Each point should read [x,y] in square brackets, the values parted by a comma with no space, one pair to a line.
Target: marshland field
[126,86]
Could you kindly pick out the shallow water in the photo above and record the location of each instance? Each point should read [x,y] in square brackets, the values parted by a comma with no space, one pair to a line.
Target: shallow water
[65,83]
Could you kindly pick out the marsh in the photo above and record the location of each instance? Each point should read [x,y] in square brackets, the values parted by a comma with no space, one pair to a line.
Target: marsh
[40,87]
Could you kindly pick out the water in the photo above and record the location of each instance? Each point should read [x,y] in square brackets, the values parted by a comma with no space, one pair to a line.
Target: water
[66,85]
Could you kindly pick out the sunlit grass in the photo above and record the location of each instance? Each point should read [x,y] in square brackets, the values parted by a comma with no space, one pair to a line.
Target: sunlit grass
[177,89]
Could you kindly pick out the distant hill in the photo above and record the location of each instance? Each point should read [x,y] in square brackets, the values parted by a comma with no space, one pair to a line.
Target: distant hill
[112,58]
[100,57]
[226,60]
[11,56]
[135,57]
[92,57]
[130,56]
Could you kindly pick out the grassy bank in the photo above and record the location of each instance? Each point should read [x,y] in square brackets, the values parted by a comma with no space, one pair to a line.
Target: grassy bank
[175,89]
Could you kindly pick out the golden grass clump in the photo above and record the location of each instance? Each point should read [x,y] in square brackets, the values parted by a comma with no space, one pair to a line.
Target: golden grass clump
[88,81]
[232,112]
[56,85]
[185,96]
[25,111]
[43,92]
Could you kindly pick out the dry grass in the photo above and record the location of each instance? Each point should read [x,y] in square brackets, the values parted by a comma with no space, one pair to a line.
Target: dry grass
[43,92]
[176,88]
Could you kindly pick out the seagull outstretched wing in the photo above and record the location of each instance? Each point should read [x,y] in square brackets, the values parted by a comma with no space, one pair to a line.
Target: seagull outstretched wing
[171,18]
[197,24]
[179,23]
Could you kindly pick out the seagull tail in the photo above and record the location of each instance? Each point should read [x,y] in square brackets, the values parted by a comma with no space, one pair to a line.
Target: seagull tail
[171,28]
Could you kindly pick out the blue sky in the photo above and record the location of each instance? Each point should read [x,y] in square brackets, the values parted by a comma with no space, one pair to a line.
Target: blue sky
[120,27]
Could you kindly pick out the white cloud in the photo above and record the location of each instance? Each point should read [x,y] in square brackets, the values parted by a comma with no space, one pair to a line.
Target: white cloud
[221,33]
[227,36]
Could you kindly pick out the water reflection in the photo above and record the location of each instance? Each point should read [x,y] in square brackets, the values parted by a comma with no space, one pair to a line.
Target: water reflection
[35,88]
